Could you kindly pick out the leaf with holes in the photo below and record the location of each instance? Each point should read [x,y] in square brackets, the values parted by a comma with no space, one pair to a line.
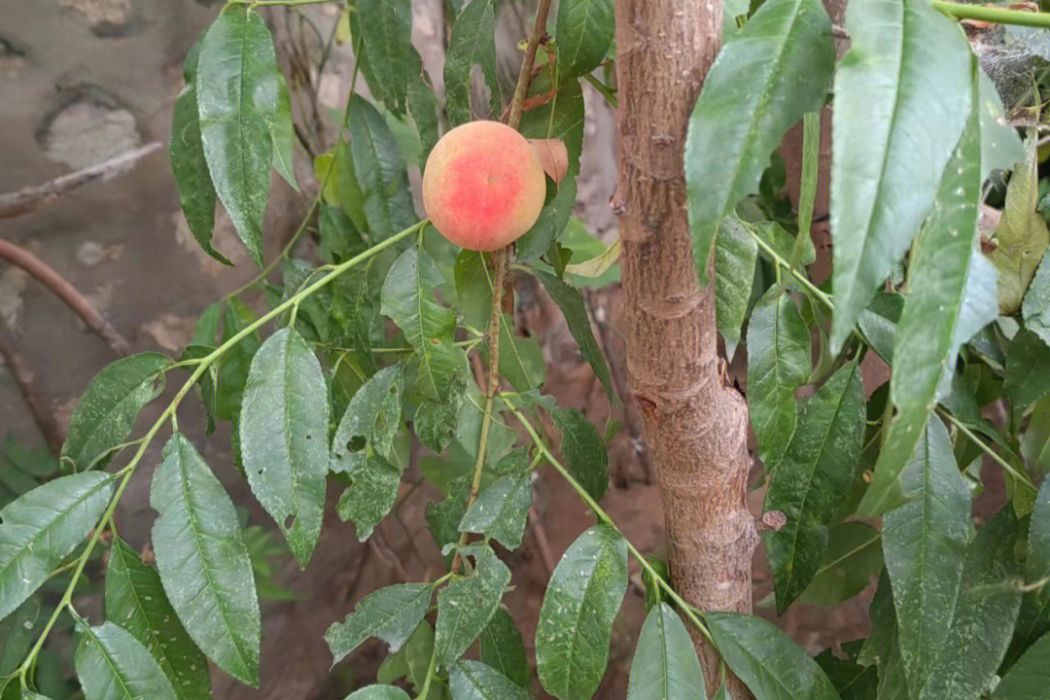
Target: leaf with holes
[371,421]
[371,495]
[283,431]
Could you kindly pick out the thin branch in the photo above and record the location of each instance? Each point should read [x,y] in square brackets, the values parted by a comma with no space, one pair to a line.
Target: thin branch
[996,15]
[23,376]
[50,278]
[30,199]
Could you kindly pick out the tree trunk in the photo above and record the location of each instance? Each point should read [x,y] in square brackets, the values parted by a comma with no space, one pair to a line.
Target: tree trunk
[696,426]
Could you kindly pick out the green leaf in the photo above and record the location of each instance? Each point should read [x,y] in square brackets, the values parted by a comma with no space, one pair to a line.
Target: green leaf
[771,665]
[570,301]
[234,365]
[562,119]
[136,601]
[370,422]
[466,605]
[584,32]
[1034,619]
[1022,236]
[387,48]
[813,479]
[736,254]
[1036,306]
[665,666]
[41,528]
[203,562]
[237,99]
[852,680]
[1035,442]
[1029,678]
[371,495]
[423,108]
[107,411]
[908,67]
[939,314]
[501,510]
[391,614]
[924,542]
[582,599]
[1027,380]
[380,171]
[770,73]
[18,632]
[473,680]
[112,665]
[501,647]
[471,43]
[583,449]
[778,363]
[985,612]
[473,288]
[853,557]
[192,180]
[282,131]
[283,431]
[521,360]
[378,692]
[408,300]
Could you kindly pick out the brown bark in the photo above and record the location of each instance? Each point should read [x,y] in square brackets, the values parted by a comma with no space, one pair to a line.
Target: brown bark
[696,426]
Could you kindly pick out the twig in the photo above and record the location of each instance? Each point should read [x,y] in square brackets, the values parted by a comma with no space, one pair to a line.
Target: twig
[996,15]
[23,376]
[50,278]
[30,199]
[521,89]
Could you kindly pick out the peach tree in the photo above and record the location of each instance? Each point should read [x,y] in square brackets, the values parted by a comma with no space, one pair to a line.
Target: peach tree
[392,336]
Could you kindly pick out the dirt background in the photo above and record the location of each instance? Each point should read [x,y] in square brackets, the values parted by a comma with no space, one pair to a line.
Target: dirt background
[83,80]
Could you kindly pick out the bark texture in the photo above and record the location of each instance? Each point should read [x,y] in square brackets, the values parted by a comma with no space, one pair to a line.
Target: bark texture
[696,426]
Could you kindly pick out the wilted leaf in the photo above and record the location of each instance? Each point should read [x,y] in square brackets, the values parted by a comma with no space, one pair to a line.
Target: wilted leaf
[554,157]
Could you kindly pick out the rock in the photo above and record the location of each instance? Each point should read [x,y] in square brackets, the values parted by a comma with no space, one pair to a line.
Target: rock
[90,128]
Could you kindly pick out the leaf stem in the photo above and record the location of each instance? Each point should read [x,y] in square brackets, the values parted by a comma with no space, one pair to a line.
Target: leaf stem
[431,668]
[996,15]
[128,471]
[605,518]
[1007,467]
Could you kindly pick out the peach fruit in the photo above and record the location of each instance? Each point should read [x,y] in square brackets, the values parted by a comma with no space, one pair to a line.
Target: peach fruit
[483,186]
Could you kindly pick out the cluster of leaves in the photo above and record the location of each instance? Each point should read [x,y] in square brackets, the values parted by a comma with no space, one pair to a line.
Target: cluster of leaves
[960,611]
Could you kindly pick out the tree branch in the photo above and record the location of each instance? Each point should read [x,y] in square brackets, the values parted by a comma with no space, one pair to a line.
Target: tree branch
[29,199]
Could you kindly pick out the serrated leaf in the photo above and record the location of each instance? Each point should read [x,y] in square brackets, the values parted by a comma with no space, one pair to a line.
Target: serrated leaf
[371,495]
[380,171]
[386,46]
[570,301]
[42,527]
[408,300]
[908,67]
[473,680]
[575,627]
[107,411]
[583,449]
[985,612]
[561,119]
[1022,236]
[813,479]
[1036,306]
[136,601]
[471,43]
[736,254]
[197,195]
[203,561]
[283,431]
[771,665]
[924,542]
[936,319]
[371,421]
[852,559]
[1029,678]
[665,666]
[778,363]
[501,510]
[378,692]
[237,98]
[391,614]
[282,131]
[1027,380]
[501,647]
[584,31]
[466,605]
[768,74]
[112,665]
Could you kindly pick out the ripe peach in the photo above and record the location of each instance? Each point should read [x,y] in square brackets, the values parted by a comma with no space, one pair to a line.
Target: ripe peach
[483,186]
